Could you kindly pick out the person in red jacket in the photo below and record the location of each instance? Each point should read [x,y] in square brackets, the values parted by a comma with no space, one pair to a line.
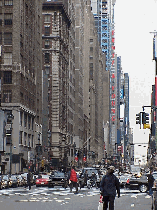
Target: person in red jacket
[73,179]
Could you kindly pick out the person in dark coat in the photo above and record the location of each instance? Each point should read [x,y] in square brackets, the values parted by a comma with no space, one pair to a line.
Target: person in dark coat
[73,179]
[108,186]
[85,178]
[150,182]
[29,180]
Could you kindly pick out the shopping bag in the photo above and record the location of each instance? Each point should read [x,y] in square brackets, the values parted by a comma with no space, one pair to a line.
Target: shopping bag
[100,206]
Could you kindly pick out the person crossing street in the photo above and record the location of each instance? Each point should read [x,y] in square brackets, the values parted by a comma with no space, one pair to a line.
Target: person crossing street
[108,186]
[73,179]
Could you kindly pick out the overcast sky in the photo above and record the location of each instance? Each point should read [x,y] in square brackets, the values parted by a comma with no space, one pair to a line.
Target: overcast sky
[134,20]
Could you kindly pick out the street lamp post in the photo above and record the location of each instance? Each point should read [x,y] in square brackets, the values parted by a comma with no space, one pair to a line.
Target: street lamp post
[38,150]
[10,118]
[49,145]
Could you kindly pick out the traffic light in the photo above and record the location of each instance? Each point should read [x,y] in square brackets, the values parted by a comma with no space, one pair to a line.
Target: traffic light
[145,118]
[138,118]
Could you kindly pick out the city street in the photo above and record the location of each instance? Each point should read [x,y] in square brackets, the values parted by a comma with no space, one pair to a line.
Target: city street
[43,198]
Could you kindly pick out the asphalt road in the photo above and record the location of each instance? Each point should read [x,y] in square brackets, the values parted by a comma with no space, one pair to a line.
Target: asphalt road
[43,198]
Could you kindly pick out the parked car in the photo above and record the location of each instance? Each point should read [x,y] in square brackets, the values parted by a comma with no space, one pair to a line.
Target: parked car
[6,180]
[42,180]
[138,183]
[21,181]
[2,183]
[58,178]
[154,189]
[14,181]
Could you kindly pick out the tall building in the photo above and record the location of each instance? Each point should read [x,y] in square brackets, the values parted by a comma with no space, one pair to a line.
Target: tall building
[104,22]
[55,38]
[21,80]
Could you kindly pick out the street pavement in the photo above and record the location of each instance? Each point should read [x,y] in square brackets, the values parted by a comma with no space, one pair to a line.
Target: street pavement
[43,198]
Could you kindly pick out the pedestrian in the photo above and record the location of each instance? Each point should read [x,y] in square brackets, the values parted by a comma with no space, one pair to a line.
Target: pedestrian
[73,179]
[94,179]
[85,177]
[29,180]
[150,183]
[108,187]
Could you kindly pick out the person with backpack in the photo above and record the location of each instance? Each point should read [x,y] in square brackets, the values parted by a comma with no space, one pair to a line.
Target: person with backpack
[108,186]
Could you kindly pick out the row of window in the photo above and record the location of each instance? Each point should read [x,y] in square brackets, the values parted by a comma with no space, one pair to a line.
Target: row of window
[7,38]
[7,19]
[6,2]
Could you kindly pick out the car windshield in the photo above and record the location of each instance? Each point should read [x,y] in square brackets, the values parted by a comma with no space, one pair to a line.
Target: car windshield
[43,176]
[90,171]
[58,174]
[5,177]
[155,176]
[13,177]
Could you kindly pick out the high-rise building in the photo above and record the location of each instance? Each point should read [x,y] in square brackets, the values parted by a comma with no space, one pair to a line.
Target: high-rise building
[55,38]
[21,80]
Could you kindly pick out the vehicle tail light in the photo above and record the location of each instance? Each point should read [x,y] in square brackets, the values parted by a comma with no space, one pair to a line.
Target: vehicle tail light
[127,181]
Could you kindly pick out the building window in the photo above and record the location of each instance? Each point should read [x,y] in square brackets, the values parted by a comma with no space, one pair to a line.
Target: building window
[47,31]
[8,139]
[0,19]
[8,38]
[32,141]
[0,39]
[47,18]
[20,137]
[46,57]
[7,77]
[0,2]
[32,123]
[25,120]
[21,118]
[29,122]
[47,69]
[29,140]
[7,96]
[72,152]
[8,2]
[8,58]
[8,19]
[46,44]
[25,138]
